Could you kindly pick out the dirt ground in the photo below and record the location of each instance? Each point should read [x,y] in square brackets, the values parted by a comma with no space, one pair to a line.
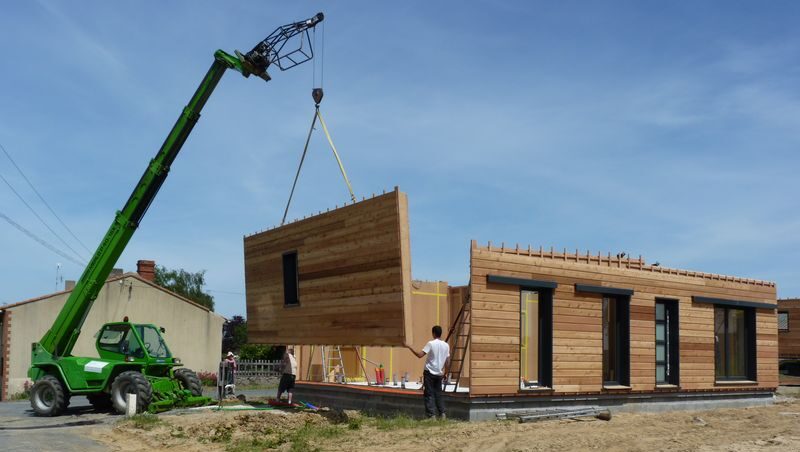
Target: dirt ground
[772,428]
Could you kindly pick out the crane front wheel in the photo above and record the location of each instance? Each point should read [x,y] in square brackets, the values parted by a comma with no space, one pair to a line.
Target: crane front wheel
[131,382]
[189,380]
[48,397]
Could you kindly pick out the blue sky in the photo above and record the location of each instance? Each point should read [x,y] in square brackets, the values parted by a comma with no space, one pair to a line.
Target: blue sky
[666,129]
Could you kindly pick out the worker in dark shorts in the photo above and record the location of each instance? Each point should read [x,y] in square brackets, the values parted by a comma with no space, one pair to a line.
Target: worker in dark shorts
[289,369]
[437,360]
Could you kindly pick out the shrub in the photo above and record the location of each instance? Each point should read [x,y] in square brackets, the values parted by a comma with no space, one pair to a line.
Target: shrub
[26,391]
[207,378]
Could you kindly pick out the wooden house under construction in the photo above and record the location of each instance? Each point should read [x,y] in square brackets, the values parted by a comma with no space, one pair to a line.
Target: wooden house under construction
[533,328]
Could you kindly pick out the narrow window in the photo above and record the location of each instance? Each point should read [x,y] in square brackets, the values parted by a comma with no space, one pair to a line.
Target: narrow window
[734,347]
[290,283]
[536,338]
[667,352]
[616,353]
[783,322]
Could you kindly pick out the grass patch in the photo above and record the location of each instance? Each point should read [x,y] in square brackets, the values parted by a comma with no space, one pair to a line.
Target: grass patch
[144,421]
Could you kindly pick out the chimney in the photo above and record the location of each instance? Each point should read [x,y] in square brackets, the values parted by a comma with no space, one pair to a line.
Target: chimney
[69,284]
[146,269]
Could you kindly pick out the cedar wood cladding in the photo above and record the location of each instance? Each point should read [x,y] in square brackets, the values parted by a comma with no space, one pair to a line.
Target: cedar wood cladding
[577,321]
[789,341]
[354,271]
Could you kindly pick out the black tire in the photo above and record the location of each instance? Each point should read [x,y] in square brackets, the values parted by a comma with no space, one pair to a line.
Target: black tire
[100,401]
[131,382]
[189,380]
[48,397]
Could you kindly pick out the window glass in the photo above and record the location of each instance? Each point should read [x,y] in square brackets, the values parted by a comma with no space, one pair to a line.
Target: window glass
[736,348]
[660,311]
[783,321]
[660,353]
[661,332]
[719,341]
[529,350]
[290,281]
[153,342]
[120,339]
[733,342]
[667,355]
[610,341]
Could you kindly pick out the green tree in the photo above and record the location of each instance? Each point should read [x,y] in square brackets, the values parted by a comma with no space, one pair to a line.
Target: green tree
[186,284]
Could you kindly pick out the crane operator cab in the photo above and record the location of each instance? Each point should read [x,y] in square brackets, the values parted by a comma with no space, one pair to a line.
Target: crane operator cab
[132,342]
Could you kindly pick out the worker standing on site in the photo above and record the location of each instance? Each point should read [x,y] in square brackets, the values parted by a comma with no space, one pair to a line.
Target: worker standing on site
[229,370]
[438,358]
[289,369]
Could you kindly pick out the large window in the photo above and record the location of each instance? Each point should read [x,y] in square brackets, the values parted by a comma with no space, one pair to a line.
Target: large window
[735,345]
[290,281]
[667,342]
[616,334]
[536,338]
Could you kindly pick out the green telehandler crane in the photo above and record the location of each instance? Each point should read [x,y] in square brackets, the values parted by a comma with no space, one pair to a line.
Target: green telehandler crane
[133,357]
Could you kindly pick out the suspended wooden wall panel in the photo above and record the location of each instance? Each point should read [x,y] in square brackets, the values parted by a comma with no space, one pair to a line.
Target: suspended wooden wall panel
[353,282]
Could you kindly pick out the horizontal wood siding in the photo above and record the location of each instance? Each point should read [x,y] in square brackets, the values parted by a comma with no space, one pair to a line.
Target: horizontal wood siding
[789,341]
[354,270]
[577,322]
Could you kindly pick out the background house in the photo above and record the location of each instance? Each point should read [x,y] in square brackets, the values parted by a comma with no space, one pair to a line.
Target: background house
[193,332]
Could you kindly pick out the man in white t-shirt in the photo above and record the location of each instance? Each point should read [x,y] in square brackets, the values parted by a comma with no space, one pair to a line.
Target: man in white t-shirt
[438,359]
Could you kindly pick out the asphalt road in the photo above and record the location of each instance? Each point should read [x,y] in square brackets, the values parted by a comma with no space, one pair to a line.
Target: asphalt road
[20,430]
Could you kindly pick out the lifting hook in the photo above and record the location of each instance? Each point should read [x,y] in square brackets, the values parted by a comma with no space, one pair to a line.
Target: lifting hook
[317,94]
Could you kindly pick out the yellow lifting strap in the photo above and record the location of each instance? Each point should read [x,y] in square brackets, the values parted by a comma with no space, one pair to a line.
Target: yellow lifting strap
[336,154]
[317,97]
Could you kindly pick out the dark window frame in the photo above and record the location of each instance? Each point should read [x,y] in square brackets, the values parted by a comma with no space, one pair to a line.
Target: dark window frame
[786,330]
[291,286]
[545,352]
[751,357]
[621,349]
[671,342]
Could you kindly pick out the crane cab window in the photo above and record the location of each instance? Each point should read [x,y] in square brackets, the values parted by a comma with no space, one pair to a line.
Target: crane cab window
[153,342]
[120,339]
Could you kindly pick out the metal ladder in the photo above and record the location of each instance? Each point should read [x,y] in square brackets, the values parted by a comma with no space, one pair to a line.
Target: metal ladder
[459,332]
[331,357]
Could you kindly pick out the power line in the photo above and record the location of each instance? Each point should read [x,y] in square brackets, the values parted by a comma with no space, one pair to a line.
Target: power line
[40,218]
[41,241]
[42,199]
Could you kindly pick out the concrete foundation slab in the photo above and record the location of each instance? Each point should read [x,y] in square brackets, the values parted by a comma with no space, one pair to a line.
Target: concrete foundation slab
[387,401]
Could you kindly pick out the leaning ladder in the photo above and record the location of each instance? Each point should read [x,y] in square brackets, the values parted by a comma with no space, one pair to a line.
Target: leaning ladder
[331,357]
[459,333]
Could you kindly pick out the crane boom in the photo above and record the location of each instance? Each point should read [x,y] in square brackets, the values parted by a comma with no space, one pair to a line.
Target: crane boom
[60,339]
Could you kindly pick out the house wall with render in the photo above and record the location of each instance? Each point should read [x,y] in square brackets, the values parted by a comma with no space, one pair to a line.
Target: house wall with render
[193,333]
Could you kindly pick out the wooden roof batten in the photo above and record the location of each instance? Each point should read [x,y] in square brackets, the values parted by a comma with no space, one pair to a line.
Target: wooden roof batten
[327,210]
[610,260]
